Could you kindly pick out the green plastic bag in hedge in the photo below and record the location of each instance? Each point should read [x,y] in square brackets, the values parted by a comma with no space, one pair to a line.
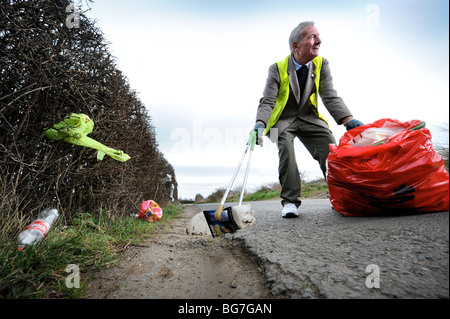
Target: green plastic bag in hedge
[74,129]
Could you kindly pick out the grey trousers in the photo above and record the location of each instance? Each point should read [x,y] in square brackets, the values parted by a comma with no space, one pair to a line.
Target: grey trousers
[316,140]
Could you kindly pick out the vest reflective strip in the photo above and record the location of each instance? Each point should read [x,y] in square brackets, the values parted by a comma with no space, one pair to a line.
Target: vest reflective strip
[283,93]
[313,98]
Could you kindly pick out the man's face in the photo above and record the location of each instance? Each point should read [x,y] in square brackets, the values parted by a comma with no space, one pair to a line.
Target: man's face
[308,48]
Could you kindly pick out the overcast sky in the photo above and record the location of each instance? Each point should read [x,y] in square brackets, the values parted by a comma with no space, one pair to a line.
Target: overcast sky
[200,68]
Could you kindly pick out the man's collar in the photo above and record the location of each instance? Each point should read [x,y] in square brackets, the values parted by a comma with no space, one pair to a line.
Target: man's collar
[298,66]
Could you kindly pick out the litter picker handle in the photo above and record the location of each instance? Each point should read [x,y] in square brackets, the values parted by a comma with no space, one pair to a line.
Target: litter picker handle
[251,141]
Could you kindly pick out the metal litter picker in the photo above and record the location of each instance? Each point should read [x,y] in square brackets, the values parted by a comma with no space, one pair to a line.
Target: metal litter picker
[230,219]
[249,146]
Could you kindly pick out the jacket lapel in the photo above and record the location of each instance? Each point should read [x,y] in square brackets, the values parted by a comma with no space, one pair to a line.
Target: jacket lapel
[293,81]
[309,83]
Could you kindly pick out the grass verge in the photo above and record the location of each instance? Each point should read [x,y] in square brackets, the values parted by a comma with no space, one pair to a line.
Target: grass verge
[91,243]
[314,189]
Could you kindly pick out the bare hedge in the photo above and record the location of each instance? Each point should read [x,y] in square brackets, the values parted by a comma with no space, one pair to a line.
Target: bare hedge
[48,71]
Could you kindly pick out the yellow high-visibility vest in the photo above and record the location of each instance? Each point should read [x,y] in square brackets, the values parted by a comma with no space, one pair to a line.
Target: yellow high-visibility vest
[283,93]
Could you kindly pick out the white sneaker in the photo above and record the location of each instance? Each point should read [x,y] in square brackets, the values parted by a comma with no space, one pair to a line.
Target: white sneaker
[289,211]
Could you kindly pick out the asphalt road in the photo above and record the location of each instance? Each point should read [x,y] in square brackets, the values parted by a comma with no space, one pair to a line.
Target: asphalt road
[323,254]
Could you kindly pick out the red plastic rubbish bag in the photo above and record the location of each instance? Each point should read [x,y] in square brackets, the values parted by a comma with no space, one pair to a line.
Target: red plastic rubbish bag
[387,167]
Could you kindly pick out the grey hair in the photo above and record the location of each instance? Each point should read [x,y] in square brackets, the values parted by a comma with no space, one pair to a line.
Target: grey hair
[297,33]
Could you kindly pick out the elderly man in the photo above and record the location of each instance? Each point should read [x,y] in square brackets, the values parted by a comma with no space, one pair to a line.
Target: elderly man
[289,109]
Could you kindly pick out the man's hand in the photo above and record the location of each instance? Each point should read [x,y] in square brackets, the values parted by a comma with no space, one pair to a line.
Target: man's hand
[352,124]
[259,128]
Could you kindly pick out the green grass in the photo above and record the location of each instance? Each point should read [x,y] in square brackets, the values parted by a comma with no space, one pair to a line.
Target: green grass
[91,243]
[261,194]
[314,189]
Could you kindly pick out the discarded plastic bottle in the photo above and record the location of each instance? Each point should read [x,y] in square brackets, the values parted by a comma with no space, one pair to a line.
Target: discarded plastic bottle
[37,229]
[233,219]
